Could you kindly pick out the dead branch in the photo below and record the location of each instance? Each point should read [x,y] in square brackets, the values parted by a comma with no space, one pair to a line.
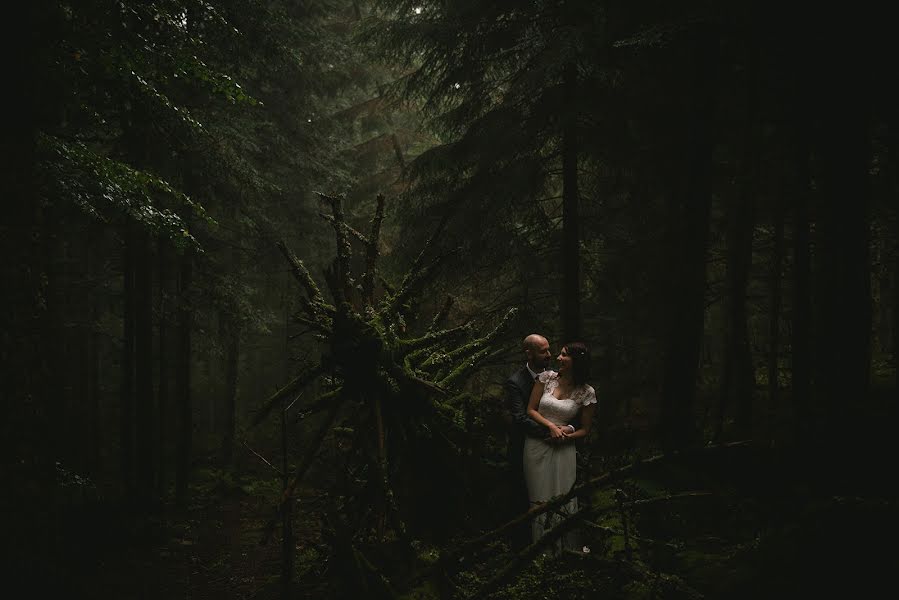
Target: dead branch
[313,324]
[591,484]
[301,273]
[417,272]
[352,231]
[441,315]
[523,558]
[372,252]
[306,462]
[262,458]
[432,338]
[618,532]
[295,384]
[343,280]
[324,401]
[529,553]
[412,279]
[468,357]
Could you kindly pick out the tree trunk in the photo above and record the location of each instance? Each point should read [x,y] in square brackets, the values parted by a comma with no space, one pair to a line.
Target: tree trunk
[213,382]
[843,294]
[25,429]
[143,288]
[739,379]
[777,257]
[892,191]
[164,363]
[800,342]
[571,258]
[287,546]
[182,380]
[894,288]
[895,293]
[128,358]
[689,232]
[232,363]
[91,373]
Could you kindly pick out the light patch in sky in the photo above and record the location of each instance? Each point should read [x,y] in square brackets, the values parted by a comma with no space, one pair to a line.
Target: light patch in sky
[417,10]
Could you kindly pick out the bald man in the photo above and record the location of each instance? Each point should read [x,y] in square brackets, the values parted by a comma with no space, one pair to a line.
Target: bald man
[517,392]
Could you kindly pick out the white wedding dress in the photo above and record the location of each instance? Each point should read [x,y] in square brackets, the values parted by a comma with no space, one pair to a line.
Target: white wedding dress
[550,469]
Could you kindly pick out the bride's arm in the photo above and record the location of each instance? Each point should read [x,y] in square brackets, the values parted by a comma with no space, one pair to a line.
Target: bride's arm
[533,403]
[586,421]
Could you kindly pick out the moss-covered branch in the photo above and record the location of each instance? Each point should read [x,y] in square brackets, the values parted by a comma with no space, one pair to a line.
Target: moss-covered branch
[343,281]
[441,316]
[471,348]
[372,252]
[317,304]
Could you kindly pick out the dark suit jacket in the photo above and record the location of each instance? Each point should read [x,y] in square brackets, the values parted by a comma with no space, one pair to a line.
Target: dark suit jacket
[517,392]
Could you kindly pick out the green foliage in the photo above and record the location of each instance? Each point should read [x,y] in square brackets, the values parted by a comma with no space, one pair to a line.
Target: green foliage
[107,190]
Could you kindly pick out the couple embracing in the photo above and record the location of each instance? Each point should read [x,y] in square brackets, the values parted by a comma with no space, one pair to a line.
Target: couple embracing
[546,412]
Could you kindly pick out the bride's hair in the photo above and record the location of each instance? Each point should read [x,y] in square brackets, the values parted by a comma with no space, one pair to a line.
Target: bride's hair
[580,361]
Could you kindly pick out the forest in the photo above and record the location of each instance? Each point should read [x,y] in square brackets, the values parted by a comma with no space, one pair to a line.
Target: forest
[267,266]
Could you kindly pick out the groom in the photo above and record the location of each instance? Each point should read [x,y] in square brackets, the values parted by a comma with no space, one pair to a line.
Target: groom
[517,392]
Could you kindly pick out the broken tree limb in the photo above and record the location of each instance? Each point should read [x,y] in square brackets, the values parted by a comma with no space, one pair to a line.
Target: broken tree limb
[458,356]
[304,464]
[324,401]
[465,366]
[528,554]
[315,325]
[417,272]
[295,384]
[260,457]
[617,532]
[440,318]
[593,483]
[372,252]
[412,280]
[344,251]
[301,274]
[525,556]
[432,338]
[352,231]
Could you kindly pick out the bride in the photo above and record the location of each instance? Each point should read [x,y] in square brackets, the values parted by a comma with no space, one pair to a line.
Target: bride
[556,399]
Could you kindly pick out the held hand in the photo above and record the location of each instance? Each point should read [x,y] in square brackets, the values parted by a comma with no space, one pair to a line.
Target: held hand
[564,432]
[555,433]
[567,431]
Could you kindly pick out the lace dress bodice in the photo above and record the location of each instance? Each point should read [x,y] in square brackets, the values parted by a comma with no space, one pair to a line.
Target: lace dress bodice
[562,411]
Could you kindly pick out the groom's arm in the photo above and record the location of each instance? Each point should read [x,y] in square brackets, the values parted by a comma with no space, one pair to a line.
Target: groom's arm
[516,414]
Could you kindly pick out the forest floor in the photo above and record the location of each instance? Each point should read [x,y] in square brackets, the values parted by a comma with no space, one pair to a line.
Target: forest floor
[211,549]
[778,522]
